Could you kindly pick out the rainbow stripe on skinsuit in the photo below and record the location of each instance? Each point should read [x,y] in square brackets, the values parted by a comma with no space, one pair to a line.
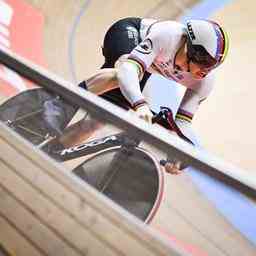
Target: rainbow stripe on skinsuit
[184,115]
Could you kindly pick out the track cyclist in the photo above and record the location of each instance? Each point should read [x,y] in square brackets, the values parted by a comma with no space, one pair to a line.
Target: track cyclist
[134,48]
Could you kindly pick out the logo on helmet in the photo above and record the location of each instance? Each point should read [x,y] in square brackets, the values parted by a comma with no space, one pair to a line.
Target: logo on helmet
[190,31]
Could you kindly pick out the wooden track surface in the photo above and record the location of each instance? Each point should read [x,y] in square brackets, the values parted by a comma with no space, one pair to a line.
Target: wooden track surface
[225,121]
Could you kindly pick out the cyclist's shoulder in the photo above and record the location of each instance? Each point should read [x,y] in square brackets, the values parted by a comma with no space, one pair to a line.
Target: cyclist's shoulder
[166,32]
[167,27]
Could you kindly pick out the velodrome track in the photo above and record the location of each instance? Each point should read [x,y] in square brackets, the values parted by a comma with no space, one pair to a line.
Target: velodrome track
[230,104]
[200,234]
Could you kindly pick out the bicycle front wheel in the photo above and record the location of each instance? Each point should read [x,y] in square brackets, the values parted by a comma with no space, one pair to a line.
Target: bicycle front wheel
[130,177]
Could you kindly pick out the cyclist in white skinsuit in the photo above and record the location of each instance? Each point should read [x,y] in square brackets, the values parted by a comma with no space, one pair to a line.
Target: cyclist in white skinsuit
[134,48]
[158,53]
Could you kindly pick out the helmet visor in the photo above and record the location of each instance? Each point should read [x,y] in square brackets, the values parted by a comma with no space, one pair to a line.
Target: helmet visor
[198,55]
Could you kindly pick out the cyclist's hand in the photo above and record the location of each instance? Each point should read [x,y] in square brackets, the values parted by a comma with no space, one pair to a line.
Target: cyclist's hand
[144,112]
[172,167]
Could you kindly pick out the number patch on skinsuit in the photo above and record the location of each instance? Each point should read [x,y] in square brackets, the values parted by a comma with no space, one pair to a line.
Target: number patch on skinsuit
[145,47]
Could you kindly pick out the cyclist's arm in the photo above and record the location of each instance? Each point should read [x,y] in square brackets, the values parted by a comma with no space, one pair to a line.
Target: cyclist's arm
[131,69]
[126,75]
[189,106]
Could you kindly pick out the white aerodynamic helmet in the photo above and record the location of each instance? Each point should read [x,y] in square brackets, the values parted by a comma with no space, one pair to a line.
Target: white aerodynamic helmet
[207,43]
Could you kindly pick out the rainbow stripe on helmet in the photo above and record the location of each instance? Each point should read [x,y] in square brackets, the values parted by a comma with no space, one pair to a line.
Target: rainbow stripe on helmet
[222,41]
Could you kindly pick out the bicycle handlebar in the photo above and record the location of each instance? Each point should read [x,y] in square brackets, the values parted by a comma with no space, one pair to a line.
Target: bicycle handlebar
[165,118]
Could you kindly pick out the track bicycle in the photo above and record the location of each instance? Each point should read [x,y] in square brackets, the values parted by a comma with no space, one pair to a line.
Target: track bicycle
[116,166]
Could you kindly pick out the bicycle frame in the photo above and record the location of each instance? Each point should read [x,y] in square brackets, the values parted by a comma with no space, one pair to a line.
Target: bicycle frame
[128,170]
[94,146]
